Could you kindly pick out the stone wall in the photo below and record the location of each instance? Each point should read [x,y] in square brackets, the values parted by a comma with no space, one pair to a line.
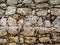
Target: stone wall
[29,22]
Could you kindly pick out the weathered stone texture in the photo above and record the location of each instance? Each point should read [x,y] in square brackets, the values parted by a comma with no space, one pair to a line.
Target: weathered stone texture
[29,22]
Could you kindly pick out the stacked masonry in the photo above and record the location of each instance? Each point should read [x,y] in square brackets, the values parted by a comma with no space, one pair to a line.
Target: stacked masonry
[29,22]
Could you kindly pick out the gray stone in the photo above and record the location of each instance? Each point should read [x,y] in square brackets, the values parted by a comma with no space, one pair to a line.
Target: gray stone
[38,1]
[34,19]
[47,23]
[55,11]
[2,12]
[54,1]
[2,41]
[27,1]
[41,12]
[44,5]
[30,20]
[2,5]
[11,2]
[40,22]
[3,21]
[33,12]
[20,23]
[57,22]
[24,11]
[12,44]
[10,10]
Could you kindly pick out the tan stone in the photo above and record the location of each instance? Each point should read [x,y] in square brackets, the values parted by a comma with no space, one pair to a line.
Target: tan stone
[42,30]
[20,23]
[11,21]
[28,31]
[24,11]
[13,39]
[55,11]
[3,32]
[30,39]
[12,44]
[44,39]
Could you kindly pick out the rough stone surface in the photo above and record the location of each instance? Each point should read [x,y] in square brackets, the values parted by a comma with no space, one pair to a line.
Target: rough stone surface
[10,10]
[24,11]
[11,2]
[27,1]
[30,39]
[1,12]
[40,22]
[11,21]
[2,0]
[3,21]
[47,23]
[3,41]
[55,11]
[44,39]
[54,1]
[27,32]
[45,5]
[29,22]
[57,22]
[41,12]
[12,30]
[3,32]
[12,43]
[13,39]
[38,1]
